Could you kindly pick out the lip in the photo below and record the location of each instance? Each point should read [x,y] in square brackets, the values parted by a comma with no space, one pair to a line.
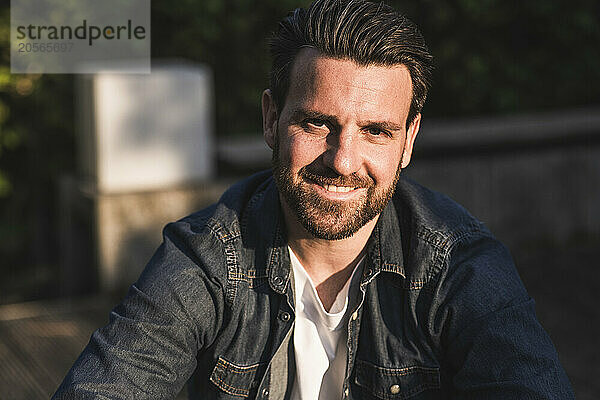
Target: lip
[351,194]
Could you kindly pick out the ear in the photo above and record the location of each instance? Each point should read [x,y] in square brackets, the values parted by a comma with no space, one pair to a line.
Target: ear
[269,113]
[411,135]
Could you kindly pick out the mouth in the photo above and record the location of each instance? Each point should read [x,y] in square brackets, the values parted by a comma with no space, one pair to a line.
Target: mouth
[338,189]
[335,192]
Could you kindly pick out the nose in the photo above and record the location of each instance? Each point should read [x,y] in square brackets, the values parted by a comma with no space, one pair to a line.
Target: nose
[343,153]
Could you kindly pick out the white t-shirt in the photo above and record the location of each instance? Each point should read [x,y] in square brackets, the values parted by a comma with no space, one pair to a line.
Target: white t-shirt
[319,339]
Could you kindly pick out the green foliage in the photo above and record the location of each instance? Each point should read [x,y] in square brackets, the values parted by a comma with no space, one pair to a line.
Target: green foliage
[497,56]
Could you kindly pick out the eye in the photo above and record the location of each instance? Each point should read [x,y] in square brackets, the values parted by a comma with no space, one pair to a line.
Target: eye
[316,123]
[375,131]
[316,126]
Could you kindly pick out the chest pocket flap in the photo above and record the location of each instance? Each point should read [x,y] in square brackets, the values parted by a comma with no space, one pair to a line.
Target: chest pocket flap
[395,383]
[233,379]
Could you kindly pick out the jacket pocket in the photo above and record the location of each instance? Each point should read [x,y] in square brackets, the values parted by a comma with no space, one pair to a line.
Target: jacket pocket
[395,383]
[234,379]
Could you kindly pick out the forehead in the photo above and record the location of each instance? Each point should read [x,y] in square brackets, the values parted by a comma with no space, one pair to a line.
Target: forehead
[318,81]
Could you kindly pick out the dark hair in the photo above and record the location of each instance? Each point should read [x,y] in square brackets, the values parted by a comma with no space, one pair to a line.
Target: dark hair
[364,32]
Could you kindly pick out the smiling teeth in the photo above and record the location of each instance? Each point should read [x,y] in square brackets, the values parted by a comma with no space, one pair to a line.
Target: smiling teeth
[338,189]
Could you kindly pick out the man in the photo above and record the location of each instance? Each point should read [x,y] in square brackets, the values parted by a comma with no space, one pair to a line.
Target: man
[333,277]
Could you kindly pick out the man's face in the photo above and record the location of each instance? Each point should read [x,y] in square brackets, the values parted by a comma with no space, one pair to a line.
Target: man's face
[339,142]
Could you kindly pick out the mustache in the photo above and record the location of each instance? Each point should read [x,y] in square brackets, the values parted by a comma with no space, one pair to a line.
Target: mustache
[329,177]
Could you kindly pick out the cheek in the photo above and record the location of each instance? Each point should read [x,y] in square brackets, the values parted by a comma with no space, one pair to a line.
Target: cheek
[302,151]
[383,166]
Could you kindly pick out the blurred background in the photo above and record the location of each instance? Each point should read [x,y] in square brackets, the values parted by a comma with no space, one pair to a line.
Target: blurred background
[93,166]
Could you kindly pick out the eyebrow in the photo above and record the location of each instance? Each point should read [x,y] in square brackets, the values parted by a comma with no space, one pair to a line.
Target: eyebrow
[300,114]
[384,125]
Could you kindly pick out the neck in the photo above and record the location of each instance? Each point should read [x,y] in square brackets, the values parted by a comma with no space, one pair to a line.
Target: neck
[329,263]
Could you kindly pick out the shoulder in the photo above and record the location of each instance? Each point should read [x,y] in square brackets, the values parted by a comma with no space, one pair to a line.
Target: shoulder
[424,208]
[221,220]
[201,238]
[231,205]
[431,222]
[459,257]
[202,249]
[452,240]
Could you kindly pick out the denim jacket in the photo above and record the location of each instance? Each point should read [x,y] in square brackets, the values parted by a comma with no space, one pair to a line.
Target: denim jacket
[441,312]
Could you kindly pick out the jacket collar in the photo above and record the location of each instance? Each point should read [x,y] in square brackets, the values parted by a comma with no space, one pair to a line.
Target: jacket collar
[264,235]
[384,249]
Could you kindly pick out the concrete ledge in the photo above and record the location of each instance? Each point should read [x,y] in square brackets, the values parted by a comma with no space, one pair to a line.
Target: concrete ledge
[541,127]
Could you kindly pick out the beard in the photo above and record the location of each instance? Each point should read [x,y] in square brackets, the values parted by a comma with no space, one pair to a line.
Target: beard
[324,218]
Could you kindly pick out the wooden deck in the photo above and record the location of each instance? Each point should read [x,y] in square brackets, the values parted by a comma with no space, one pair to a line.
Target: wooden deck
[39,341]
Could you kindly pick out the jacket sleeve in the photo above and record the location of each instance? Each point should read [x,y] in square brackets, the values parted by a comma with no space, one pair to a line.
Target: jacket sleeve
[149,347]
[493,345]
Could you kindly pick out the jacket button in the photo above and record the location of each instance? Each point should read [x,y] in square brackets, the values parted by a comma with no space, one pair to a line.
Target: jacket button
[354,315]
[278,280]
[369,272]
[285,316]
[395,389]
[265,392]
[346,392]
